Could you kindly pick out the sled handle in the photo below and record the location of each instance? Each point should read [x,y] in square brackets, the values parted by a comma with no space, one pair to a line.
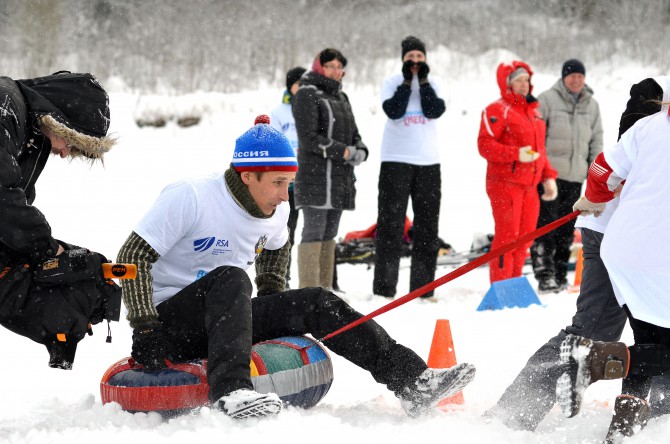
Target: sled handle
[119,271]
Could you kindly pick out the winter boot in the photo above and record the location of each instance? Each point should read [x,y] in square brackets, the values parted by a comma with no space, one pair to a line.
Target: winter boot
[246,403]
[586,362]
[326,264]
[548,285]
[308,264]
[433,385]
[630,416]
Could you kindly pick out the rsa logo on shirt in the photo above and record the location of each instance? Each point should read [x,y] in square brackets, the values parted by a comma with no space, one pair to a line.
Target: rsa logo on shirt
[218,246]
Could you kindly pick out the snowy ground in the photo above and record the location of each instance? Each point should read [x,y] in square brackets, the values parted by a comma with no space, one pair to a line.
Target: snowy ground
[97,207]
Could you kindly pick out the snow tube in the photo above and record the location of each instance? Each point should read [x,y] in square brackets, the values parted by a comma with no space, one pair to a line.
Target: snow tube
[300,377]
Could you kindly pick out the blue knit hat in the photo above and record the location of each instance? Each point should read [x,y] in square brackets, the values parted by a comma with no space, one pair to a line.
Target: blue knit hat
[263,148]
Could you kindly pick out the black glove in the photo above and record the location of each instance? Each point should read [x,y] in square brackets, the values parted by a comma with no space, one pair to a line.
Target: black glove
[423,72]
[150,346]
[407,70]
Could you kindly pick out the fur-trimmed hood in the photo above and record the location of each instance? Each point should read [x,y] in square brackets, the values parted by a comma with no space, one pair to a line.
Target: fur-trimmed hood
[72,106]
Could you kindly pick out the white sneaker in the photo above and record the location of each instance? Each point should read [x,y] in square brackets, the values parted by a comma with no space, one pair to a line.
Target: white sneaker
[246,403]
[433,385]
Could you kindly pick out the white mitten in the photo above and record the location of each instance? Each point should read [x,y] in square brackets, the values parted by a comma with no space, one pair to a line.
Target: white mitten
[587,207]
[527,154]
[550,190]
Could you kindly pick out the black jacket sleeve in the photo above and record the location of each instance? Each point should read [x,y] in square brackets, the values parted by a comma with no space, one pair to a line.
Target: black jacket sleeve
[396,106]
[23,228]
[432,106]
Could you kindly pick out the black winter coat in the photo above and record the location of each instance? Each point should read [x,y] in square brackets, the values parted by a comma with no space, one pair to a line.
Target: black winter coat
[79,105]
[25,234]
[326,127]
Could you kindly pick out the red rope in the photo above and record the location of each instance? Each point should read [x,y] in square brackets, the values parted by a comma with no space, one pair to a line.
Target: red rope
[460,271]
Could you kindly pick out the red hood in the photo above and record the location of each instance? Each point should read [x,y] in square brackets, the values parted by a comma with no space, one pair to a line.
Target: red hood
[316,66]
[504,70]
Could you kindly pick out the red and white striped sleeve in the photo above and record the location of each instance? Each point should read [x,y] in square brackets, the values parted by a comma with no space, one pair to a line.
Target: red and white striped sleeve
[601,181]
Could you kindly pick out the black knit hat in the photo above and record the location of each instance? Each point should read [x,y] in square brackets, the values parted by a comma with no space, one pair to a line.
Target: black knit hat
[572,66]
[293,75]
[329,54]
[412,43]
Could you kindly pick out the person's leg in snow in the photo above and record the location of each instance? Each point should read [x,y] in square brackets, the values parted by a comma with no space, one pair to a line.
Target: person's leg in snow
[526,402]
[318,312]
[426,197]
[211,318]
[589,361]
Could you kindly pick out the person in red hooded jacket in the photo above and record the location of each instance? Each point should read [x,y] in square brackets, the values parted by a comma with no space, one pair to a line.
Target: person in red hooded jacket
[511,139]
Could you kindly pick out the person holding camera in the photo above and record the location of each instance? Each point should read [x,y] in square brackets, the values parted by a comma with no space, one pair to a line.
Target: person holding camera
[50,291]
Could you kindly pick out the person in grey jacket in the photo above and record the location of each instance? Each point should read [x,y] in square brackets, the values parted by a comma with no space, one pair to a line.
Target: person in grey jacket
[574,139]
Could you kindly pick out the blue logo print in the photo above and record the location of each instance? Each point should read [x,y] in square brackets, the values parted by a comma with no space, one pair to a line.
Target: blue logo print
[203,244]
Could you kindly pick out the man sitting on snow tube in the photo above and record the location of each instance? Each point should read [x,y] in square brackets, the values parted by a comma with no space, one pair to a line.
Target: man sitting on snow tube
[192,296]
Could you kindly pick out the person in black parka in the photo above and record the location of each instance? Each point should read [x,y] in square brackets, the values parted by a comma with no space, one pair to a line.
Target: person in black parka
[330,148]
[50,291]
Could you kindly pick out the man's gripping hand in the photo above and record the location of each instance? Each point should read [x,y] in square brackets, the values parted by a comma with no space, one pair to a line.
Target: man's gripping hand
[150,346]
[587,207]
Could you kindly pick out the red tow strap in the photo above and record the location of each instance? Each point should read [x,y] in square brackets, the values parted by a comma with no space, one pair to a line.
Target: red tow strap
[460,271]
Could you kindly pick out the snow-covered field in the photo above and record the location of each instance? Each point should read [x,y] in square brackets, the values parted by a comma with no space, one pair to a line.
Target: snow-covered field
[97,208]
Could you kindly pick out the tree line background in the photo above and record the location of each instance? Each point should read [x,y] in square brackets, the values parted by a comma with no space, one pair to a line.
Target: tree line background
[231,45]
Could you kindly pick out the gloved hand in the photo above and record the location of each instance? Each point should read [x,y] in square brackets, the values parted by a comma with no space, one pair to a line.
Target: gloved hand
[423,72]
[150,346]
[352,152]
[359,157]
[550,190]
[407,70]
[587,207]
[527,154]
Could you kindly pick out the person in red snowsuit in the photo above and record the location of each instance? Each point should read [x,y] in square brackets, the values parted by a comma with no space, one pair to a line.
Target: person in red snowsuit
[511,139]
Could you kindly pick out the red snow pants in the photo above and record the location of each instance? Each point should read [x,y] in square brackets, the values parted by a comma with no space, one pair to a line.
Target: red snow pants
[516,208]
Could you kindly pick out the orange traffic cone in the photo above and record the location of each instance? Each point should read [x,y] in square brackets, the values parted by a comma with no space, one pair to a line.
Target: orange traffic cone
[578,272]
[443,355]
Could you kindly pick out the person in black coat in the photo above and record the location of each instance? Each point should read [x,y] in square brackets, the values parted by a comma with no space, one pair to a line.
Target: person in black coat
[330,148]
[67,115]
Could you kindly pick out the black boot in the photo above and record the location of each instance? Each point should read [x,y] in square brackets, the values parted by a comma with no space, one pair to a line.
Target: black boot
[630,416]
[586,362]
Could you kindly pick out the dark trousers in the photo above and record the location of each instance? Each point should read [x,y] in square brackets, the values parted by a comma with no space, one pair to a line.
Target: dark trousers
[550,253]
[292,224]
[649,356]
[216,318]
[397,183]
[319,225]
[57,315]
[533,393]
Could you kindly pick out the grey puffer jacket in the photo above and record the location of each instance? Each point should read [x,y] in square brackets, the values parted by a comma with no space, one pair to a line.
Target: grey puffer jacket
[325,125]
[574,130]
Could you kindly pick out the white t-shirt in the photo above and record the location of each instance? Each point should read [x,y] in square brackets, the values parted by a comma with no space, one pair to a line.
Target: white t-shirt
[634,247]
[599,223]
[281,119]
[196,226]
[412,138]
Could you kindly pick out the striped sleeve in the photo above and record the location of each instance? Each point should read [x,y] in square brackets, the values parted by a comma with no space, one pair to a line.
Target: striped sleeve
[138,293]
[601,181]
[271,267]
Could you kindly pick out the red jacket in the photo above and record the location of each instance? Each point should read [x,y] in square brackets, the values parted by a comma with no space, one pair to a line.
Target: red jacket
[508,124]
